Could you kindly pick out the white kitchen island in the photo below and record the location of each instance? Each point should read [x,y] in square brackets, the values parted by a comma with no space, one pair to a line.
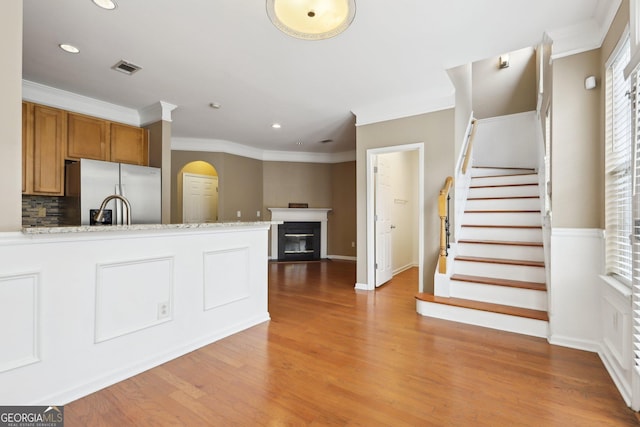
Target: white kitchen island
[84,307]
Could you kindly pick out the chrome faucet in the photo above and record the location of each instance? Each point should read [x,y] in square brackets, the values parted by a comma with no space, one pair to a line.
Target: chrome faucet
[98,216]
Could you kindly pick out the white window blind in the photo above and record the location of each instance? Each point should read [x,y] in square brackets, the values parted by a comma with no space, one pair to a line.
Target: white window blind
[636,229]
[618,165]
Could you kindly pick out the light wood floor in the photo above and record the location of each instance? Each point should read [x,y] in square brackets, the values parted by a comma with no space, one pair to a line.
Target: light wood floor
[334,356]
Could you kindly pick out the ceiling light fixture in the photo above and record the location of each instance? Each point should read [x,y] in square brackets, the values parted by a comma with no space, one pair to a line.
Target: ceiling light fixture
[69,48]
[105,4]
[215,105]
[311,19]
[276,125]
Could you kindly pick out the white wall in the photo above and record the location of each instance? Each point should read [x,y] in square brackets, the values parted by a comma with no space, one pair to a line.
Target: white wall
[577,258]
[508,141]
[81,311]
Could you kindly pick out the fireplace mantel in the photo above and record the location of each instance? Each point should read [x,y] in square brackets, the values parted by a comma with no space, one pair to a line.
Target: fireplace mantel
[299,215]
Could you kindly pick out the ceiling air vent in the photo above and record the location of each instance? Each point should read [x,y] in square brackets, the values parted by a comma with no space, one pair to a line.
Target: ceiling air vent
[126,67]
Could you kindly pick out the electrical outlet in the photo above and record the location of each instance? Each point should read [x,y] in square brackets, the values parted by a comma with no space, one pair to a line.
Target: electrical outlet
[353,244]
[258,214]
[163,310]
[239,214]
[42,212]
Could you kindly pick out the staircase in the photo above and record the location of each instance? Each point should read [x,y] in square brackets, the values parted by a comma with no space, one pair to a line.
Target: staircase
[498,278]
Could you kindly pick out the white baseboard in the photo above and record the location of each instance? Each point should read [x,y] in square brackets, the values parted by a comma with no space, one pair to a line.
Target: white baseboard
[564,341]
[342,257]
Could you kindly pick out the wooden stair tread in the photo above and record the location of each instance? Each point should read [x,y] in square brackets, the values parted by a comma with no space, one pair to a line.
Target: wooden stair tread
[485,306]
[503,185]
[503,168]
[504,175]
[501,226]
[505,211]
[522,262]
[503,198]
[500,242]
[536,286]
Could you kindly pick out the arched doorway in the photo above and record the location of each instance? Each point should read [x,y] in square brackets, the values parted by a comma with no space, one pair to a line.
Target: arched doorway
[198,192]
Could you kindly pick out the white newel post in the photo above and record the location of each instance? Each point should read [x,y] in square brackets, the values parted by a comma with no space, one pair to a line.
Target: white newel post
[299,215]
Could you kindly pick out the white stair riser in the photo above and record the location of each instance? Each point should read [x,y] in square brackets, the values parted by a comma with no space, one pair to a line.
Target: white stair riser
[500,271]
[503,204]
[505,180]
[503,322]
[502,218]
[515,297]
[510,191]
[529,253]
[505,234]
[497,171]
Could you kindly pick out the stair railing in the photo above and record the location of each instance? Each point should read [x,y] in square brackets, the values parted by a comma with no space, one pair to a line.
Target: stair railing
[467,153]
[443,211]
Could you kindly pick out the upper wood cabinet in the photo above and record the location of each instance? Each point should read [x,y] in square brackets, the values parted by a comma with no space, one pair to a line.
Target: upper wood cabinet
[129,144]
[51,135]
[27,147]
[88,137]
[44,136]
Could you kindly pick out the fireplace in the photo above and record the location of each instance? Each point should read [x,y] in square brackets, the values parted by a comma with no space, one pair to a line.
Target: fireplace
[299,241]
[301,233]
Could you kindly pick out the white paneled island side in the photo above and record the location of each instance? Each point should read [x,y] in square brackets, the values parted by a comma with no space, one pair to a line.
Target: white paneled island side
[82,307]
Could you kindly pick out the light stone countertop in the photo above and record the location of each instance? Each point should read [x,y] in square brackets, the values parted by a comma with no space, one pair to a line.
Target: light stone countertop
[140,227]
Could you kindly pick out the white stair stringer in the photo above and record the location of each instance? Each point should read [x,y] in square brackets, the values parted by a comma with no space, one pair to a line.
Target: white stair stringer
[498,271]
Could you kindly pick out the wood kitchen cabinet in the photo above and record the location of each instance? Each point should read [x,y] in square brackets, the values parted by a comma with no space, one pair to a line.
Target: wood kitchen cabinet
[129,144]
[44,135]
[87,137]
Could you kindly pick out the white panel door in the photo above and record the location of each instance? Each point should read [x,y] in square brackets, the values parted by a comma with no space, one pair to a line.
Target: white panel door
[383,203]
[200,198]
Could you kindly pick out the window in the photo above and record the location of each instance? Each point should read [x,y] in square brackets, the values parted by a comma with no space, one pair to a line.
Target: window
[618,166]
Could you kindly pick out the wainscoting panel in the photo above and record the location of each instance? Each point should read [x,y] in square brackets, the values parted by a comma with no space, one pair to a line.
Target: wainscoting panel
[132,295]
[226,277]
[19,317]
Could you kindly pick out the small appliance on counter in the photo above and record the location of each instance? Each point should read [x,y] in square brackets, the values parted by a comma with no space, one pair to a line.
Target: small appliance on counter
[89,182]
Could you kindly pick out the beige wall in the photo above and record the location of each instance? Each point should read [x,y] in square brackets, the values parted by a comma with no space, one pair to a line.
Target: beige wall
[160,157]
[576,167]
[342,219]
[11,114]
[498,92]
[240,184]
[436,131]
[252,185]
[291,182]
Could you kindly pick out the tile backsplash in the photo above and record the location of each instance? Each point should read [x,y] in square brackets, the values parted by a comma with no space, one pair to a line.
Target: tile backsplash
[42,211]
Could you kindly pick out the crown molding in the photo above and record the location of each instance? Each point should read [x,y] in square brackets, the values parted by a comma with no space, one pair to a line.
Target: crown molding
[223,146]
[153,113]
[586,35]
[53,97]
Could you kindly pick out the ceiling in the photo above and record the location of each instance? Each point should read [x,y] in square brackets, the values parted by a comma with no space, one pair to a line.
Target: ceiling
[390,63]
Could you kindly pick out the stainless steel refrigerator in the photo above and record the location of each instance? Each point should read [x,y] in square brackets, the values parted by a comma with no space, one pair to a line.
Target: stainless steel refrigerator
[89,182]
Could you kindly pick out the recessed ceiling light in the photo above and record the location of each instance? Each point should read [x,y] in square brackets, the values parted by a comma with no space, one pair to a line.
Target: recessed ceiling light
[105,4]
[298,143]
[69,48]
[215,105]
[276,125]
